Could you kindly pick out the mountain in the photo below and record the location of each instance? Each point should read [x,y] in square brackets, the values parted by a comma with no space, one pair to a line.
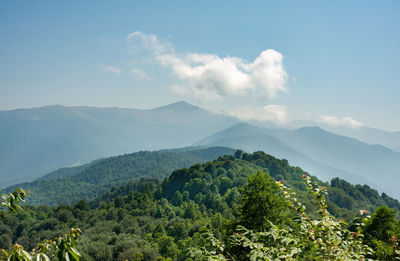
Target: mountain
[320,152]
[370,135]
[69,185]
[39,140]
[390,139]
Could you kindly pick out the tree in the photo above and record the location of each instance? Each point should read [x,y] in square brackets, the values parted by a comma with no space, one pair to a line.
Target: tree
[383,224]
[262,202]
[382,233]
[238,154]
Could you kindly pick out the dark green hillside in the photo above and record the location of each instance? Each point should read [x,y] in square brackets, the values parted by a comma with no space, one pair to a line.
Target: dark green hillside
[64,172]
[71,185]
[152,220]
[149,219]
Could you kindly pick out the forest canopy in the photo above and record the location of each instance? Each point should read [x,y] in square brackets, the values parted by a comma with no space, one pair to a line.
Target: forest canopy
[154,219]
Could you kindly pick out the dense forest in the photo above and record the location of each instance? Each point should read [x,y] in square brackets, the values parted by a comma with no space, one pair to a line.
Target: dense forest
[86,182]
[227,209]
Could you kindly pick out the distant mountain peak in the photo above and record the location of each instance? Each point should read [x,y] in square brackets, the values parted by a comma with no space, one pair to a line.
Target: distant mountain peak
[244,126]
[180,105]
[311,128]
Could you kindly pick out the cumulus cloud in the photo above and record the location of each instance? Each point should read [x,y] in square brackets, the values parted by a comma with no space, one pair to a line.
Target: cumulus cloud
[210,76]
[275,113]
[345,121]
[110,69]
[139,74]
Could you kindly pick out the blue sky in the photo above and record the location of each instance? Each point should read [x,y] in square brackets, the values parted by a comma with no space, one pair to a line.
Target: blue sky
[340,59]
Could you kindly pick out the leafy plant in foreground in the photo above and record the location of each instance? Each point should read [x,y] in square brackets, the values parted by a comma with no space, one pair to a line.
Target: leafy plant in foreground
[62,247]
[320,239]
[11,201]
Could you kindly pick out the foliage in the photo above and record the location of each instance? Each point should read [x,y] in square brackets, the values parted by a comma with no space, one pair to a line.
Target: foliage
[321,239]
[382,232]
[152,219]
[62,247]
[11,201]
[99,177]
[262,201]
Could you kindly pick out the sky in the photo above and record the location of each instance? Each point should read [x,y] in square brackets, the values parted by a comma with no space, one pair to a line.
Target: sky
[336,62]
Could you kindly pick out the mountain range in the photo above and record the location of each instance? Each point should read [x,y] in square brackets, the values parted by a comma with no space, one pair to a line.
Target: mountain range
[37,141]
[320,152]
[390,139]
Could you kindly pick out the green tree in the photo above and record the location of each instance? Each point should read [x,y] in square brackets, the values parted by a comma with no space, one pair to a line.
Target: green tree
[382,233]
[383,224]
[238,154]
[167,246]
[262,201]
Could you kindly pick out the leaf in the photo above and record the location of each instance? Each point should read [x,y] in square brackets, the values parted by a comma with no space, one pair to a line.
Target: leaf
[74,253]
[42,256]
[67,256]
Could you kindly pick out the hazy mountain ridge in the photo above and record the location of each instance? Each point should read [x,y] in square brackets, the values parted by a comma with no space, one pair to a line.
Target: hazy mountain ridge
[39,140]
[374,136]
[322,153]
[389,139]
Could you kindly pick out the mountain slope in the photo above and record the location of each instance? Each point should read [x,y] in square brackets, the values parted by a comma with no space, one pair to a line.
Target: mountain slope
[87,182]
[370,135]
[36,141]
[322,153]
[389,139]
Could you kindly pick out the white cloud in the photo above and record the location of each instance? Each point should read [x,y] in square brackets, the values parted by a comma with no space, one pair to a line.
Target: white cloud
[275,113]
[110,69]
[139,74]
[216,76]
[139,41]
[345,121]
[209,76]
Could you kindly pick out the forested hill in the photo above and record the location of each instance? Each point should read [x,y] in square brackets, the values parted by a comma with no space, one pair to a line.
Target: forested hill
[69,185]
[154,220]
[226,174]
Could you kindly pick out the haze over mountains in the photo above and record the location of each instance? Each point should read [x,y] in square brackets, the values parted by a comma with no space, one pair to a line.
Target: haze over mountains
[322,153]
[390,139]
[36,141]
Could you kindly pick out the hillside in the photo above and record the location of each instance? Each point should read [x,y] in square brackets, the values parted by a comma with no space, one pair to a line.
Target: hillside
[369,135]
[39,140]
[389,139]
[323,154]
[69,185]
[153,219]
